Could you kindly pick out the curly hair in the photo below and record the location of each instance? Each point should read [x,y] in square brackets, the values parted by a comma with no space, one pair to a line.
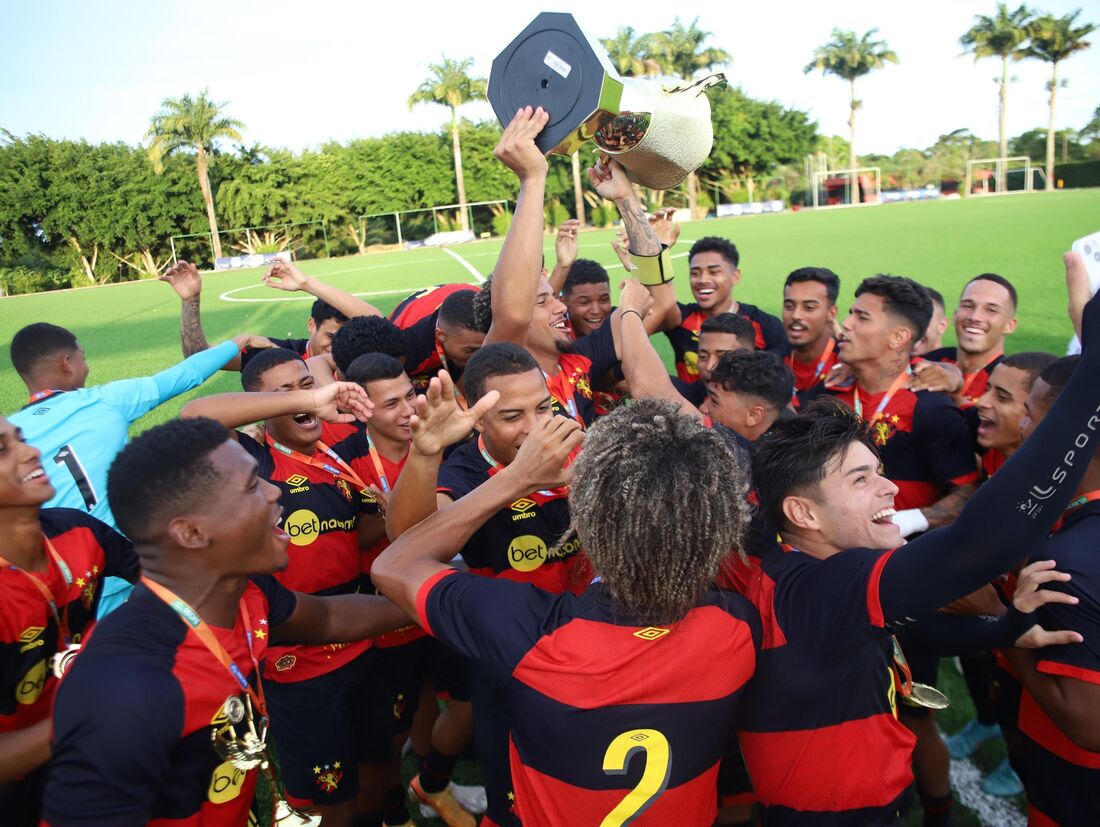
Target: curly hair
[798,453]
[584,271]
[483,306]
[713,244]
[755,373]
[367,334]
[658,501]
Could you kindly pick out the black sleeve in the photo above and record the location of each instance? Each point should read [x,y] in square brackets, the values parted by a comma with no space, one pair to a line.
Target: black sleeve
[944,440]
[693,392]
[1014,510]
[419,342]
[775,335]
[599,347]
[259,452]
[122,561]
[949,635]
[281,601]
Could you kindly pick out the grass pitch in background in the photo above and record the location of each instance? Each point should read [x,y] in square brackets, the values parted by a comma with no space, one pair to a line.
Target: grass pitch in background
[132,329]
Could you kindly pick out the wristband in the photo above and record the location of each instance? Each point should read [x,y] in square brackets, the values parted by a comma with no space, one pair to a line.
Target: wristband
[653,270]
[632,310]
[910,521]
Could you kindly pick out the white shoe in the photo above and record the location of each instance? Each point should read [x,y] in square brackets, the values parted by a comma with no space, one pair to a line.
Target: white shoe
[471,799]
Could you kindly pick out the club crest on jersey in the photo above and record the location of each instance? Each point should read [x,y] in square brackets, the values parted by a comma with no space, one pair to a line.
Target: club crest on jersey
[885,428]
[285,662]
[398,706]
[651,633]
[344,488]
[328,777]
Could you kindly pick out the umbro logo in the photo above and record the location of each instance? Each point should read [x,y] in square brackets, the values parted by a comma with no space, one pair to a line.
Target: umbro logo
[651,633]
[40,411]
[296,479]
[523,504]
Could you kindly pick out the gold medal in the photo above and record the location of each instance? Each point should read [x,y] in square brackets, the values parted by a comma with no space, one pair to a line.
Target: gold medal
[61,661]
[926,696]
[233,709]
[247,750]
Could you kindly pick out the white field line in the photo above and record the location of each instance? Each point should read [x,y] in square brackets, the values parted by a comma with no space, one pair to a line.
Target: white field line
[990,810]
[469,267]
[228,295]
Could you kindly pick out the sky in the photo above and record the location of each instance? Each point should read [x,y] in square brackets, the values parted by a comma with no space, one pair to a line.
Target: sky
[299,74]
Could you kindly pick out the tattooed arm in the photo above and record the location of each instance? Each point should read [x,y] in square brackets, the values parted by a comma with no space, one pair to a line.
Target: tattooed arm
[185,280]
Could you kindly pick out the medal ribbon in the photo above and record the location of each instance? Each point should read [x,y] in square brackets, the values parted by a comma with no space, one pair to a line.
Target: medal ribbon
[897,385]
[443,361]
[206,636]
[37,396]
[341,470]
[968,379]
[379,469]
[62,620]
[557,386]
[819,371]
[1079,502]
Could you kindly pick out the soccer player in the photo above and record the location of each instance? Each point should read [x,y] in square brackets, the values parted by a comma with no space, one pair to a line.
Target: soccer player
[424,303]
[933,334]
[924,441]
[809,318]
[748,390]
[443,340]
[1058,714]
[326,706]
[163,716]
[79,429]
[526,540]
[519,306]
[1001,408]
[587,296]
[648,662]
[819,730]
[714,264]
[985,316]
[718,335]
[52,565]
[408,657]
[331,309]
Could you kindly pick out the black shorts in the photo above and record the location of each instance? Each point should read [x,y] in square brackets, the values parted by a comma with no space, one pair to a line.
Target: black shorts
[324,727]
[492,725]
[404,668]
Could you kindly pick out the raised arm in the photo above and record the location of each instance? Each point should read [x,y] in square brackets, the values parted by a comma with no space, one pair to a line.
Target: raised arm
[423,551]
[439,422]
[343,618]
[338,402]
[282,275]
[1012,512]
[519,267]
[565,253]
[185,280]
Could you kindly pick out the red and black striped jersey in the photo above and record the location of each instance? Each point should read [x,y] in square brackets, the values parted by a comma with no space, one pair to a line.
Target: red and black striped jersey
[367,556]
[809,380]
[612,721]
[975,384]
[424,303]
[136,712]
[818,723]
[29,633]
[923,440]
[299,346]
[523,541]
[572,389]
[770,336]
[321,514]
[1062,777]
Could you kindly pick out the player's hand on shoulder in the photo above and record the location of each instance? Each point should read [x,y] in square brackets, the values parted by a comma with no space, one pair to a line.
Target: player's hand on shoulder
[1029,597]
[840,376]
[935,376]
[516,148]
[248,341]
[541,460]
[185,280]
[440,421]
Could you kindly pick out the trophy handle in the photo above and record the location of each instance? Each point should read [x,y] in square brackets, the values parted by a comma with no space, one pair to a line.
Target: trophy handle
[703,84]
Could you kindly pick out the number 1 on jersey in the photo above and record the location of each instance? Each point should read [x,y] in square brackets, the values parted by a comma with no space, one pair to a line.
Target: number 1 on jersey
[67,457]
[654,780]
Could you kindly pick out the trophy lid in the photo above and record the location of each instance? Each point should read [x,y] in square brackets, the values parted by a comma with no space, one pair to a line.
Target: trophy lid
[553,64]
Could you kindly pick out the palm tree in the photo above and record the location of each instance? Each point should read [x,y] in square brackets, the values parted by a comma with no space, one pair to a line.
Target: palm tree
[680,51]
[1001,35]
[450,85]
[192,123]
[1053,39]
[630,53]
[850,57]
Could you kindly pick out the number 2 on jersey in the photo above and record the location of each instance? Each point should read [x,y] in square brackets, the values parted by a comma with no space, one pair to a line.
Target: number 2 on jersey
[67,457]
[654,780]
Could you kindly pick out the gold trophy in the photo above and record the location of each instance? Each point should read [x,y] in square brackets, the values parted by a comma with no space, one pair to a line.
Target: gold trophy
[659,132]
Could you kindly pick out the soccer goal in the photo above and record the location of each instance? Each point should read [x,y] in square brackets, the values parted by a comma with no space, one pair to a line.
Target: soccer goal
[434,226]
[846,187]
[1000,176]
[254,246]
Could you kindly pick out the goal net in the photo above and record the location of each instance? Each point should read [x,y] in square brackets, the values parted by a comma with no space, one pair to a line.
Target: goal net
[435,225]
[998,176]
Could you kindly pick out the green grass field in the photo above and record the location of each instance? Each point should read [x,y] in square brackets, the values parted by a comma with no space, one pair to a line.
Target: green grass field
[132,329]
